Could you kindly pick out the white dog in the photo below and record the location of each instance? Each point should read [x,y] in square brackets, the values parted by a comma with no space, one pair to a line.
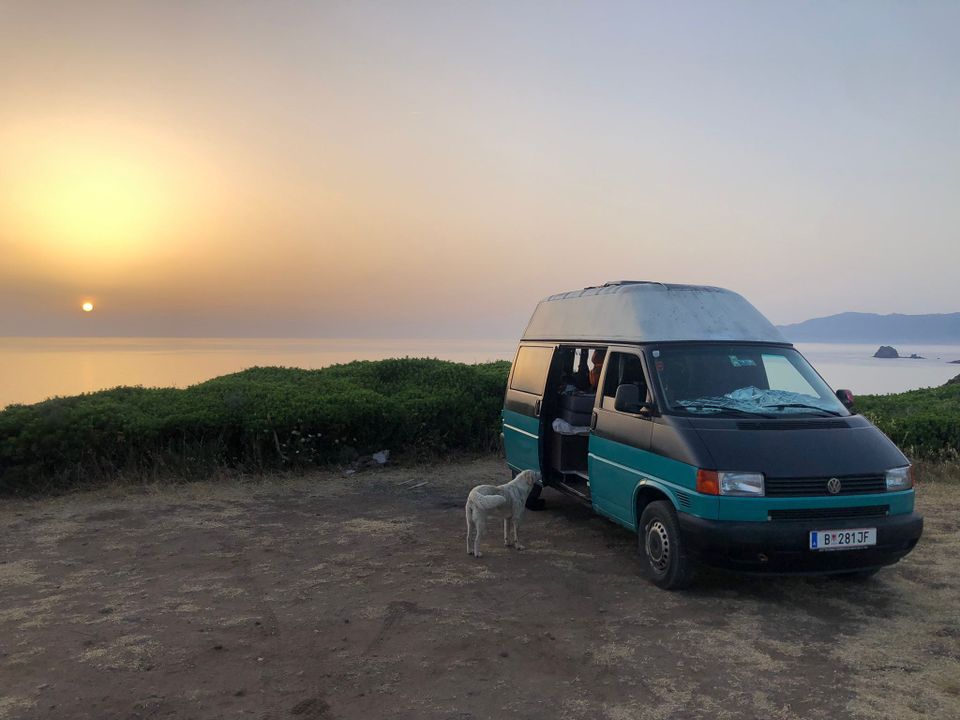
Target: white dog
[499,501]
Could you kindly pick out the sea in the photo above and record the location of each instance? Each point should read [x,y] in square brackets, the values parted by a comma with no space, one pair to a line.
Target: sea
[34,369]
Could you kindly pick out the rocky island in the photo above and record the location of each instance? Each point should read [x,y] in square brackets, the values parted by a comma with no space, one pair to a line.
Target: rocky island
[887,351]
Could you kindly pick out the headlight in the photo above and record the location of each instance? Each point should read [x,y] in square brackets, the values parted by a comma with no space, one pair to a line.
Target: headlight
[899,479]
[741,483]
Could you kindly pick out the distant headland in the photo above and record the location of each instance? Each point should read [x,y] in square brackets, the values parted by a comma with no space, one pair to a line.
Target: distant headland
[854,327]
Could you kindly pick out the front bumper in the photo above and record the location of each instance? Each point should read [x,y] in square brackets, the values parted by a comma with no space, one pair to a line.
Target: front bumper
[782,546]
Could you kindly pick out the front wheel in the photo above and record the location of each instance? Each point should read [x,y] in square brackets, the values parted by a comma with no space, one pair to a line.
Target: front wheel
[661,549]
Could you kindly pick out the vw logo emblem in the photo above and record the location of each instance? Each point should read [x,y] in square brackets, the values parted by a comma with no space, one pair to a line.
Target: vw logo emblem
[833,485]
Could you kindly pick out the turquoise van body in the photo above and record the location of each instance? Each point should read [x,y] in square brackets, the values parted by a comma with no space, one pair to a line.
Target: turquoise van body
[707,433]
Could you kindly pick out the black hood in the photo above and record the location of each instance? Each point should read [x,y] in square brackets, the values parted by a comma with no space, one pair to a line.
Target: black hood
[798,448]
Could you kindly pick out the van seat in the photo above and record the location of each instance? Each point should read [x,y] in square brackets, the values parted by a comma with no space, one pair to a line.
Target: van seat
[578,402]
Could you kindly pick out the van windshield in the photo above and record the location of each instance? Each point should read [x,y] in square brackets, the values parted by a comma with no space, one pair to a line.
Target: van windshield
[735,380]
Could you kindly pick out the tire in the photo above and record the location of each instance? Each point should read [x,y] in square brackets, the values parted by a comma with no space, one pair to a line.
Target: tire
[533,499]
[662,554]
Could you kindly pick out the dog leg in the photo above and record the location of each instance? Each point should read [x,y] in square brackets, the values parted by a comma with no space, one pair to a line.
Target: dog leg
[506,532]
[516,540]
[479,523]
[469,513]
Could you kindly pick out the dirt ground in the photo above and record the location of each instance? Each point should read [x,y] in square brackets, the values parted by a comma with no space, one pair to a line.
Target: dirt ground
[353,597]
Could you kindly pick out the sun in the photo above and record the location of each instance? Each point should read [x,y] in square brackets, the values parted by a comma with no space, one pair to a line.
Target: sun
[87,307]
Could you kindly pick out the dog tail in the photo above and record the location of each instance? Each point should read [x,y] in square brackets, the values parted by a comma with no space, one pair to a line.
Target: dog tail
[489,502]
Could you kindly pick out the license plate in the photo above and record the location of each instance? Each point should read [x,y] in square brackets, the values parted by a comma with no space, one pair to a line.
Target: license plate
[842,539]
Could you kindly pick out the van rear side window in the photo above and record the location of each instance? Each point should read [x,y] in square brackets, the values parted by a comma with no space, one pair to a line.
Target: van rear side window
[530,369]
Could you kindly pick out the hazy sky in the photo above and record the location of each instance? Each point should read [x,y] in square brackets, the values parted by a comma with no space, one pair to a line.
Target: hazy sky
[435,168]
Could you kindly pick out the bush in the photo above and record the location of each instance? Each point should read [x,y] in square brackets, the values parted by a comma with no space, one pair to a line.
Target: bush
[274,418]
[924,423]
[259,419]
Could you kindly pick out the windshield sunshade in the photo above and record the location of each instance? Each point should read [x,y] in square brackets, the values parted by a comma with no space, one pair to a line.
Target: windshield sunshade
[742,379]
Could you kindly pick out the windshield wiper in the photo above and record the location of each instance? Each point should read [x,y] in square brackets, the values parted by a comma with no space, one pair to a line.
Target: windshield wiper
[725,409]
[781,406]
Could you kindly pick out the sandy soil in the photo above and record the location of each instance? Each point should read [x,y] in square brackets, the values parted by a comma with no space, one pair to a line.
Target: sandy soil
[353,597]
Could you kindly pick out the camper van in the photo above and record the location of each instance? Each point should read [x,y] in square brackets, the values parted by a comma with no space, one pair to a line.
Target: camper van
[681,413]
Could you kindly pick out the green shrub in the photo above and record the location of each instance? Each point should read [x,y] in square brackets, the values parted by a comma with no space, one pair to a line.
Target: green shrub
[274,418]
[924,423]
[258,419]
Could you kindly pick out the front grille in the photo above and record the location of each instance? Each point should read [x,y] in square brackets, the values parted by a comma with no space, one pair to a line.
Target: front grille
[801,487]
[830,513]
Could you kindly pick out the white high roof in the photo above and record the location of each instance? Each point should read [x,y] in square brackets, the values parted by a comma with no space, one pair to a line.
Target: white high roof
[638,312]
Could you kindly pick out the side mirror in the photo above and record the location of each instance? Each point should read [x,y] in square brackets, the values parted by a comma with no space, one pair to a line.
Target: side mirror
[846,398]
[628,400]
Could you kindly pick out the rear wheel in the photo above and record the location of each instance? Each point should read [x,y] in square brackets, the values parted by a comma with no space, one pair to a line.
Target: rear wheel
[664,558]
[533,499]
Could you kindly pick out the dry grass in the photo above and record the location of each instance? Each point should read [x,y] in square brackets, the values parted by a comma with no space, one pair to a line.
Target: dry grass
[11,706]
[134,652]
[906,663]
[197,591]
[19,572]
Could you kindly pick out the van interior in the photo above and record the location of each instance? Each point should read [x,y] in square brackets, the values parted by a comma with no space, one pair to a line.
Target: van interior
[567,408]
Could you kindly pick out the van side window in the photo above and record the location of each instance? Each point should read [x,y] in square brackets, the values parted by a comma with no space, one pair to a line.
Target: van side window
[623,369]
[530,369]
